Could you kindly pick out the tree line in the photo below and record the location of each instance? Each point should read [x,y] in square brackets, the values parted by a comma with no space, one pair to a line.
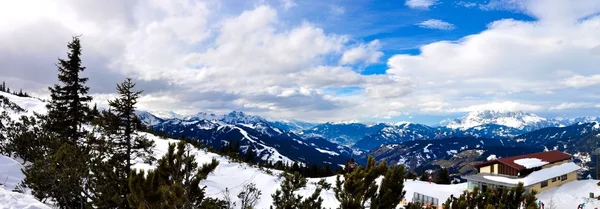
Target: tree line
[76,156]
[20,93]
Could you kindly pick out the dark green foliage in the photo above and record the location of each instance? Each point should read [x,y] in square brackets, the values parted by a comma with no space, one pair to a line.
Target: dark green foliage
[61,172]
[360,186]
[492,198]
[443,177]
[391,191]
[122,145]
[67,109]
[418,205]
[249,158]
[3,88]
[175,183]
[26,139]
[424,176]
[285,198]
[411,175]
[59,177]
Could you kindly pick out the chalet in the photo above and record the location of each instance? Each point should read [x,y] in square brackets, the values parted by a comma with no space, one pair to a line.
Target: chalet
[537,171]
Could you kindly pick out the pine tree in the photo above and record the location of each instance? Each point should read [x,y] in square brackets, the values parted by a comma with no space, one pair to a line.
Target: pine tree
[123,147]
[175,183]
[492,198]
[26,139]
[285,198]
[68,107]
[391,190]
[443,177]
[249,155]
[359,186]
[61,175]
[424,176]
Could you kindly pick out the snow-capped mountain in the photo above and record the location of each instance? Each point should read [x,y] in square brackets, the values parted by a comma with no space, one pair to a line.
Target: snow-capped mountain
[166,114]
[295,126]
[518,120]
[422,152]
[255,133]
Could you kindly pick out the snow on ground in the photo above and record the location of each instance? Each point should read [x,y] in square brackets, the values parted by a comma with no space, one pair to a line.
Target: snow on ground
[530,162]
[10,172]
[10,177]
[538,176]
[234,176]
[27,103]
[14,200]
[327,152]
[492,157]
[571,194]
[442,192]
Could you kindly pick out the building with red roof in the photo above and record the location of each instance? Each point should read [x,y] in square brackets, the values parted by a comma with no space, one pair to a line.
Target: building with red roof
[537,171]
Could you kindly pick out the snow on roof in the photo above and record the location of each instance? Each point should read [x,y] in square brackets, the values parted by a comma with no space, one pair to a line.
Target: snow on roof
[537,176]
[530,162]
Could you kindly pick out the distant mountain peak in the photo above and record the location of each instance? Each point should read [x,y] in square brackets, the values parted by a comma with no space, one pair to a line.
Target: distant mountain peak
[236,117]
[346,122]
[167,114]
[513,119]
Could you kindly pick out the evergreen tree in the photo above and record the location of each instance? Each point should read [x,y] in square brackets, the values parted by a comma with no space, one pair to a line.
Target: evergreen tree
[26,139]
[68,107]
[411,175]
[175,183]
[424,176]
[285,198]
[493,198]
[61,175]
[359,186]
[123,147]
[443,177]
[391,191]
[250,155]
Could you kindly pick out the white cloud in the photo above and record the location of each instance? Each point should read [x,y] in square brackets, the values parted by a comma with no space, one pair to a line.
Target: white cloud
[466,4]
[337,10]
[436,24]
[420,4]
[597,106]
[369,53]
[213,56]
[579,81]
[287,4]
[500,106]
[571,105]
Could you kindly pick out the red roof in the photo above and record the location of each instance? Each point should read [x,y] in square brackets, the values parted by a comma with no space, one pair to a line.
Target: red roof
[550,157]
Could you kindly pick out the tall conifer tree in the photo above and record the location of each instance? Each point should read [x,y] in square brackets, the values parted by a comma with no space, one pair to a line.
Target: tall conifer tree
[123,146]
[61,174]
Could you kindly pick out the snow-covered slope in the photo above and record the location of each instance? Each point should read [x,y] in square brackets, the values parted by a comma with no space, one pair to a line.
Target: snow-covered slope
[571,194]
[234,176]
[11,175]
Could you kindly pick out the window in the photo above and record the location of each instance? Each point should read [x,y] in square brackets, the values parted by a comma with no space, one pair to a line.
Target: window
[492,169]
[554,179]
[544,183]
[563,177]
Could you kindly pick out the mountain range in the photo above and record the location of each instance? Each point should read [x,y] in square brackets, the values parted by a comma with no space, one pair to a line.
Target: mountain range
[415,145]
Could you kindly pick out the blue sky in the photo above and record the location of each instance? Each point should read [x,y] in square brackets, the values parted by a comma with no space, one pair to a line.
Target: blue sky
[396,60]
